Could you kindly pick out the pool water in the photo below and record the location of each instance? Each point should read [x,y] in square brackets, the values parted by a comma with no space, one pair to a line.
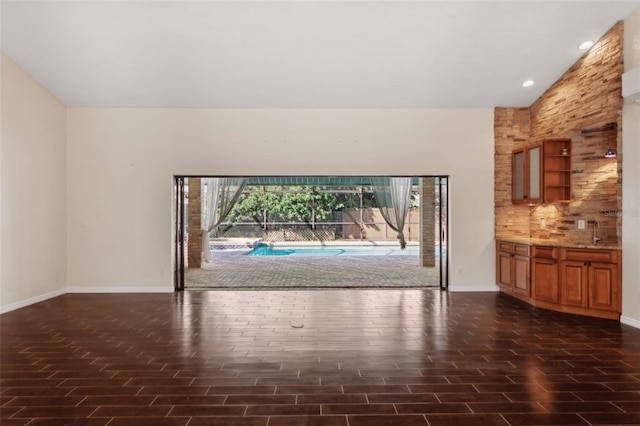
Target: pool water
[265,250]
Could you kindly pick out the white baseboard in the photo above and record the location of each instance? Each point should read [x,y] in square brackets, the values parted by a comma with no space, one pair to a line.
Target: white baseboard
[120,290]
[472,288]
[31,301]
[630,321]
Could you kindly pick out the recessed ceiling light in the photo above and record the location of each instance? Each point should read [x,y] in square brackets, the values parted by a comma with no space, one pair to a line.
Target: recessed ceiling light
[585,45]
[528,83]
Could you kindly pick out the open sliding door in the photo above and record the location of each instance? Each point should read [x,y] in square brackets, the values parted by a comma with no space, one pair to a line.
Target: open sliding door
[180,229]
[429,267]
[443,221]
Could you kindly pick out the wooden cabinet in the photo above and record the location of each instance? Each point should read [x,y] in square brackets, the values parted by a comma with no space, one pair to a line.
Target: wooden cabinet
[582,281]
[544,274]
[521,275]
[512,266]
[573,283]
[590,279]
[504,268]
[604,286]
[542,172]
[526,175]
[556,167]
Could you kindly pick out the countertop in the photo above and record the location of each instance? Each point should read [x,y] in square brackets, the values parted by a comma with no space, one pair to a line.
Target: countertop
[556,243]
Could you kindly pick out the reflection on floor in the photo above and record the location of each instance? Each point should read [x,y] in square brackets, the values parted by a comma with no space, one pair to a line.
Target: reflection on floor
[332,357]
[229,269]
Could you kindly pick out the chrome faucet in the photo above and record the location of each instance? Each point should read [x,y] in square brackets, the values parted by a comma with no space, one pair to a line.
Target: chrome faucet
[595,238]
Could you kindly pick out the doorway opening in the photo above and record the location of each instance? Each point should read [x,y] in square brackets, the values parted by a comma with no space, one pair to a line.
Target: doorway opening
[310,232]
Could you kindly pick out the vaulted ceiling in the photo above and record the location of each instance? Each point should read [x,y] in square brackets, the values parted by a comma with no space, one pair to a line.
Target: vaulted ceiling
[301,54]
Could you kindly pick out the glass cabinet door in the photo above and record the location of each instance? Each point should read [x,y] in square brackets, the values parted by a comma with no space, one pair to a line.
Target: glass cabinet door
[527,175]
[534,175]
[518,193]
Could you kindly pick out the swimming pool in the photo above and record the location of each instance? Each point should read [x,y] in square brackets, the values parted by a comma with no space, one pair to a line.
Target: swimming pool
[333,250]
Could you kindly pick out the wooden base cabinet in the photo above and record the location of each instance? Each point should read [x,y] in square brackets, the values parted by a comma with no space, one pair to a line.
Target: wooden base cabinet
[544,279]
[604,287]
[512,266]
[504,268]
[521,280]
[574,284]
[590,278]
[573,280]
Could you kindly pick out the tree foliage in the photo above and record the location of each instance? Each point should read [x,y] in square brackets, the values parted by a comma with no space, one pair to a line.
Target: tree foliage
[290,204]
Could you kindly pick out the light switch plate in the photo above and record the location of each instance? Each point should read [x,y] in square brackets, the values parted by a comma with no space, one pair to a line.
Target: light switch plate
[582,224]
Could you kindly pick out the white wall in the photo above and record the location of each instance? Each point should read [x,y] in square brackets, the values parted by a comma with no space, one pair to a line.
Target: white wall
[33,200]
[121,163]
[631,183]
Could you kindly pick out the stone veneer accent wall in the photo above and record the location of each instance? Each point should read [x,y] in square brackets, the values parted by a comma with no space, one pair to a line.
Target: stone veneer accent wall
[586,105]
[427,222]
[194,247]
[511,131]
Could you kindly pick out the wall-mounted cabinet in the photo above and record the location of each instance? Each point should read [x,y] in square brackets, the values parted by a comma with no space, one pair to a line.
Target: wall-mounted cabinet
[542,172]
[526,175]
[557,170]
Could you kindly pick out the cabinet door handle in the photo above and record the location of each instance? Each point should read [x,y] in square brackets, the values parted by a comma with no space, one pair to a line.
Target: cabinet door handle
[585,263]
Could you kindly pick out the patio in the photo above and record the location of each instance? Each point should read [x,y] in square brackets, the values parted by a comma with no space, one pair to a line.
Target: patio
[231,269]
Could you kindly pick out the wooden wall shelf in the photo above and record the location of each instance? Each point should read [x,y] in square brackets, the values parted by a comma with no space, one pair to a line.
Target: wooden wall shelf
[556,166]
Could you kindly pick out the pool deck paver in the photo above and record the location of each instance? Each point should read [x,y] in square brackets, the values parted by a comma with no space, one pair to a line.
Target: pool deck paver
[231,269]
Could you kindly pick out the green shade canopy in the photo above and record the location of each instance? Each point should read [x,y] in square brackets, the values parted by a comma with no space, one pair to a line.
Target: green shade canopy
[314,180]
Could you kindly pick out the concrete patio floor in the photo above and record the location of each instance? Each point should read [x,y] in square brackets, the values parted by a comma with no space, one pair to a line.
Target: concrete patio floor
[233,270]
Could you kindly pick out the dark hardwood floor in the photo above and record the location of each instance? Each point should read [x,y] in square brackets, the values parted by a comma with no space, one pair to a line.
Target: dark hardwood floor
[330,357]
